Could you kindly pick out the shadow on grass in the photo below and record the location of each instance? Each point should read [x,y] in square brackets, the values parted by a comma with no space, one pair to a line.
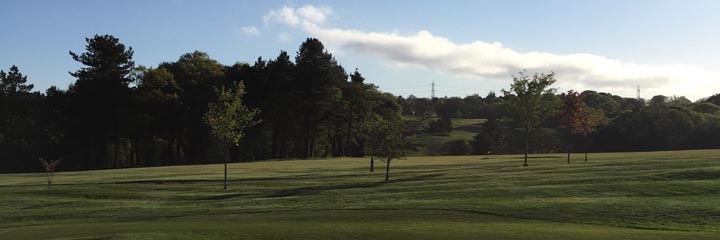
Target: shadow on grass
[540,157]
[469,128]
[317,189]
[38,206]
[263,179]
[224,197]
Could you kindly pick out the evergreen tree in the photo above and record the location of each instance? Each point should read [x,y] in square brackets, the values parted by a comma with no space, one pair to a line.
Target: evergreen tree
[318,83]
[101,98]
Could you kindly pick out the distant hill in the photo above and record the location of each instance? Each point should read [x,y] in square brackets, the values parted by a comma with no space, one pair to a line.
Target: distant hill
[426,143]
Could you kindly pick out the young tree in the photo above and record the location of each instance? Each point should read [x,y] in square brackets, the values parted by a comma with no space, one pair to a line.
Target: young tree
[49,166]
[387,142]
[573,117]
[595,118]
[530,101]
[228,118]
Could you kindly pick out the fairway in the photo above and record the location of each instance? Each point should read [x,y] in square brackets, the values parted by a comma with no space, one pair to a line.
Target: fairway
[652,195]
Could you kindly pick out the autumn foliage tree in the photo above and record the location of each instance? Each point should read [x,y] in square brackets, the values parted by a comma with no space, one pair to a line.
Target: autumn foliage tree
[576,118]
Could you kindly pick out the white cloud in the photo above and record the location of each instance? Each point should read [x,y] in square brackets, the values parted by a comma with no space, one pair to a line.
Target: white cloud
[250,31]
[307,14]
[313,14]
[480,60]
[285,15]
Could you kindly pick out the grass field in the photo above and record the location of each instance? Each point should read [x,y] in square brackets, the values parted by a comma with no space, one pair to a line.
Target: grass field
[654,195]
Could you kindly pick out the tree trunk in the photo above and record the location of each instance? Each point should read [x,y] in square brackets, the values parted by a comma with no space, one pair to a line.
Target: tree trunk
[227,157]
[387,170]
[586,147]
[178,147]
[568,152]
[49,180]
[372,164]
[117,153]
[133,151]
[527,147]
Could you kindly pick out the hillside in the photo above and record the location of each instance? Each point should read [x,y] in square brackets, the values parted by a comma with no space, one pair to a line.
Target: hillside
[648,195]
[424,143]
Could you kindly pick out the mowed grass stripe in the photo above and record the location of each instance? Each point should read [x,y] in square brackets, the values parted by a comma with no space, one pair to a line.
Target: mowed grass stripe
[649,195]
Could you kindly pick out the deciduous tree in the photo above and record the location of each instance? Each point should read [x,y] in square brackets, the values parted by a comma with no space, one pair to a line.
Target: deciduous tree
[530,100]
[228,118]
[386,141]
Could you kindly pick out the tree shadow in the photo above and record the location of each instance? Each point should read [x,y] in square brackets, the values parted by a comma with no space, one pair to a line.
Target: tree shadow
[224,197]
[469,128]
[317,189]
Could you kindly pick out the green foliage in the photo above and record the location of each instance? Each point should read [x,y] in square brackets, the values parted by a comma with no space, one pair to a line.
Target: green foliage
[20,110]
[13,82]
[544,140]
[100,113]
[602,101]
[530,99]
[706,107]
[319,82]
[450,107]
[482,143]
[715,99]
[457,147]
[441,126]
[158,86]
[658,100]
[492,138]
[386,140]
[228,117]
[679,101]
[116,115]
[106,60]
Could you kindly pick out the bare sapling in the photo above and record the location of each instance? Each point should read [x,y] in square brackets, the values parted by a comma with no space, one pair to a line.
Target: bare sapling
[50,166]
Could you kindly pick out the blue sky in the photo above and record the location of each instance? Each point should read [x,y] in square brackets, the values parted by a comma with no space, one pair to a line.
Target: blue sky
[667,47]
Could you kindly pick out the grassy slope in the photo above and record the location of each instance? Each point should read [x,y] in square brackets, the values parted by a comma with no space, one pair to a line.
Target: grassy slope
[657,195]
[429,144]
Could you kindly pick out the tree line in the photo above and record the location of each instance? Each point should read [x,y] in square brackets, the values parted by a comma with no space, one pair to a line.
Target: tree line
[608,123]
[117,114]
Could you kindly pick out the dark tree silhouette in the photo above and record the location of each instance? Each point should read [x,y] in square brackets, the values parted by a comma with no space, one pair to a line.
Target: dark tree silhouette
[101,96]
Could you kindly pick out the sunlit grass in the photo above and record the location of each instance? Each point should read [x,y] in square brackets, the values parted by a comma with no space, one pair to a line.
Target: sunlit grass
[653,195]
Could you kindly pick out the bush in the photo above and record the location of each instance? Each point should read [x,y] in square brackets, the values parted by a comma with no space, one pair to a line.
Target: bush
[482,143]
[443,125]
[545,140]
[456,148]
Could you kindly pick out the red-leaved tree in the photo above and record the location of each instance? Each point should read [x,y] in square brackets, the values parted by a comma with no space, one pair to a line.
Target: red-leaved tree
[576,118]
